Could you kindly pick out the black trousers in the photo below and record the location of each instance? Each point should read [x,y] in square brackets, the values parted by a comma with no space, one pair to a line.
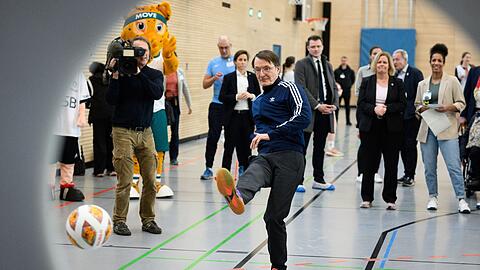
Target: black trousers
[409,146]
[237,136]
[174,126]
[362,159]
[321,128]
[346,100]
[215,123]
[379,141]
[67,149]
[474,156]
[102,146]
[282,171]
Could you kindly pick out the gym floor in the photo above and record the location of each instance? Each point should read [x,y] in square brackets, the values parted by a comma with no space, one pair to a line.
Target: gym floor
[326,229]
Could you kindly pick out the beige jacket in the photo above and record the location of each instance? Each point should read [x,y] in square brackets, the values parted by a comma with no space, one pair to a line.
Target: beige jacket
[450,92]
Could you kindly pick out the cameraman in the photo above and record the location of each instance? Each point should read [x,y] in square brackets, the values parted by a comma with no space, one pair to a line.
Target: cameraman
[133,96]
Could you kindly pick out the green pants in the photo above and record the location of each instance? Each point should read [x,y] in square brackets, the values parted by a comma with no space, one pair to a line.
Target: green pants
[127,142]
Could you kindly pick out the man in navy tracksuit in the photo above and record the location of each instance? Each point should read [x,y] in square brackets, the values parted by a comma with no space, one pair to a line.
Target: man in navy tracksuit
[280,114]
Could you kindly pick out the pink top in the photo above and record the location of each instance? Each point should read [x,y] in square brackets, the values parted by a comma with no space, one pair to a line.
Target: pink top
[171,88]
[381,96]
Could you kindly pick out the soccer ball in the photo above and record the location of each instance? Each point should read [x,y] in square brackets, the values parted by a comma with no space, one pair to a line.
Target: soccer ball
[88,227]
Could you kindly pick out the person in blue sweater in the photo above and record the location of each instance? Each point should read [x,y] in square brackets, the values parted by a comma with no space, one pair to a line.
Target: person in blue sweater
[280,114]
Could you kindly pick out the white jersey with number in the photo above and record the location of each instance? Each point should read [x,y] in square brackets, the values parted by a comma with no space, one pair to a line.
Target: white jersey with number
[66,124]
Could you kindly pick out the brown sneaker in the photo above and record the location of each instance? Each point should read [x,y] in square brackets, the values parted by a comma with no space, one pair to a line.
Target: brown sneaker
[121,228]
[151,227]
[226,186]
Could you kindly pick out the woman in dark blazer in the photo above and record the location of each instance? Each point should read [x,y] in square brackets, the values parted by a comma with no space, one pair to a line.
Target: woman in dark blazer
[380,106]
[238,90]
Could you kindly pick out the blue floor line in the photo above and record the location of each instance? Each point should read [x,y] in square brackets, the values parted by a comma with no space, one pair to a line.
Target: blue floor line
[387,251]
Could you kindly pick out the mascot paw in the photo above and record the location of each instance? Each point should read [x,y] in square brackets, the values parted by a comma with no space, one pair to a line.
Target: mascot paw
[169,46]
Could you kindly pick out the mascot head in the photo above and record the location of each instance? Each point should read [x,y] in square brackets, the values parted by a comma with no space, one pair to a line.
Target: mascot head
[149,22]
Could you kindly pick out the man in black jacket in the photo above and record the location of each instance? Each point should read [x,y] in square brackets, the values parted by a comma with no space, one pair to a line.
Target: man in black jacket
[345,76]
[411,77]
[100,117]
[133,96]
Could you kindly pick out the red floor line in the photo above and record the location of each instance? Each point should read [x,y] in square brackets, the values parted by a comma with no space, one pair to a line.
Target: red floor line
[438,257]
[404,258]
[471,255]
[89,196]
[113,187]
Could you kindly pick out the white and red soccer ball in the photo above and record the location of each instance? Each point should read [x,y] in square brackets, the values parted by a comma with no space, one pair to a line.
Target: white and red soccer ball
[88,227]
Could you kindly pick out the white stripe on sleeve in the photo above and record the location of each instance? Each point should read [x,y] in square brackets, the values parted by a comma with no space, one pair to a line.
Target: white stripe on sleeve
[296,97]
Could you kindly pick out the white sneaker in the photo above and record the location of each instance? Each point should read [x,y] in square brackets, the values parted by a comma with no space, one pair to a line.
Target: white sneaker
[360,177]
[463,207]
[432,203]
[391,206]
[378,178]
[325,186]
[366,204]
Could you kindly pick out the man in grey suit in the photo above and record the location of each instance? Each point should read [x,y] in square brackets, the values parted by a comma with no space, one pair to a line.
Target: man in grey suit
[315,74]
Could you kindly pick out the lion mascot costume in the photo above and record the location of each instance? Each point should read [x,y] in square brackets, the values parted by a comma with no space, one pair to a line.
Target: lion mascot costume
[150,22]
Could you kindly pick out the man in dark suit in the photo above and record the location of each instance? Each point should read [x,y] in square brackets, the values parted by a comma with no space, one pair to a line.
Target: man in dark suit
[411,77]
[238,90]
[315,74]
[469,111]
[345,76]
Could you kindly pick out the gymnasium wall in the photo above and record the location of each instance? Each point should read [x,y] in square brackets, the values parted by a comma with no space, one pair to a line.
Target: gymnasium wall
[197,25]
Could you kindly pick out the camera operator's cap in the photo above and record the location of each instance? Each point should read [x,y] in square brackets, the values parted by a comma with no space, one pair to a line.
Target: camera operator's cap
[145,15]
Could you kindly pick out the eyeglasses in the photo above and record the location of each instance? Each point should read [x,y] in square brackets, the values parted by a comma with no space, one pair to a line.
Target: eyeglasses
[223,47]
[265,69]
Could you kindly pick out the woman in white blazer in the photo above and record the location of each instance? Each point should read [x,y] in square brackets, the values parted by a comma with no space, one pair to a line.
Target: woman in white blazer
[444,94]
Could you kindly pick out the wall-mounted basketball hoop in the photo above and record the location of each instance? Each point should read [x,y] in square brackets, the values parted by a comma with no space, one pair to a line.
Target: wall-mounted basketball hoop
[296,2]
[318,24]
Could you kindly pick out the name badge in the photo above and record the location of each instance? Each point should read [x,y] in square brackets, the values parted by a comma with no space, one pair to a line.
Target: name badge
[230,64]
[342,76]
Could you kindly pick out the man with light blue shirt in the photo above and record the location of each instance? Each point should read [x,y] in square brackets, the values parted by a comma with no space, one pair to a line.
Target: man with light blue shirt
[217,67]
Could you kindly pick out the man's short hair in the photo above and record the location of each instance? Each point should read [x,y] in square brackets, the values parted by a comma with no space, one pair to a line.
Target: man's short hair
[142,39]
[403,53]
[268,56]
[373,48]
[225,39]
[314,38]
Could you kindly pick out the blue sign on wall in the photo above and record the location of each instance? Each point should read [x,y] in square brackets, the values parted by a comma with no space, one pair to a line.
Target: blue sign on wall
[389,40]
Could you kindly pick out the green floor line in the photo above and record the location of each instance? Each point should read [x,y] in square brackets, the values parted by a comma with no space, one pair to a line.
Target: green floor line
[206,254]
[125,266]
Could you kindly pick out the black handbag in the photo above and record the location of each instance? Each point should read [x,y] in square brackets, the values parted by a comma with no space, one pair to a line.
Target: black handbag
[169,111]
[79,168]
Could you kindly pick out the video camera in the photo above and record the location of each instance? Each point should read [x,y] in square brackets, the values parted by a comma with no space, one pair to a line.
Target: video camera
[125,54]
